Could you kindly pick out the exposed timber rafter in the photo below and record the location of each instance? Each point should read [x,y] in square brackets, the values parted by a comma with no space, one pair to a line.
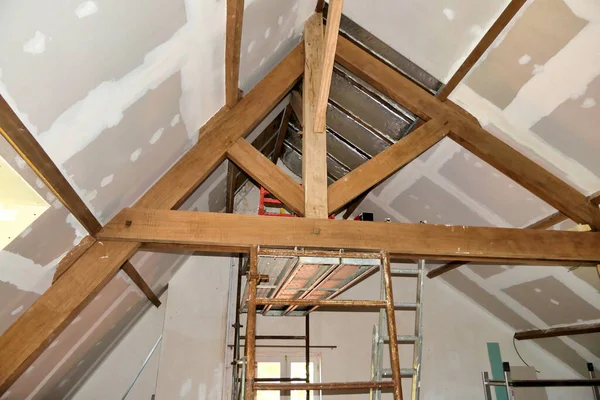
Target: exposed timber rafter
[470,135]
[233,43]
[44,320]
[385,164]
[267,174]
[503,20]
[567,330]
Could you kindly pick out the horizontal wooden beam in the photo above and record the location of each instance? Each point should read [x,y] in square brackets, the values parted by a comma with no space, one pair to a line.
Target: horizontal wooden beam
[470,135]
[25,339]
[384,164]
[267,174]
[567,330]
[417,240]
[323,386]
[544,223]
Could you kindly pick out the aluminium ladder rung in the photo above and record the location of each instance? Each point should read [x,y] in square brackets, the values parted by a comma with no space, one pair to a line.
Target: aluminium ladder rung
[405,272]
[405,306]
[404,372]
[402,339]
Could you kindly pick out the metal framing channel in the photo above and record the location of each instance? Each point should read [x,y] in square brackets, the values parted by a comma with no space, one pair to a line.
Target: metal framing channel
[284,281]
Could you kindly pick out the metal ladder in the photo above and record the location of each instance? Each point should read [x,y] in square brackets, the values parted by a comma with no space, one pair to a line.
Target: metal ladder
[380,336]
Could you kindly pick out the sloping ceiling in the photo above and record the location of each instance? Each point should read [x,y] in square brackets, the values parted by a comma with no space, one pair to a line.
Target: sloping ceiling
[115,93]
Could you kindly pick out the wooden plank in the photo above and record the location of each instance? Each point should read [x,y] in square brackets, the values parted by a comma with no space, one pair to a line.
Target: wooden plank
[135,276]
[385,164]
[314,148]
[196,165]
[417,240]
[334,16]
[525,172]
[296,103]
[320,5]
[25,339]
[72,256]
[19,137]
[267,174]
[486,41]
[567,330]
[233,43]
[544,223]
[282,132]
[492,150]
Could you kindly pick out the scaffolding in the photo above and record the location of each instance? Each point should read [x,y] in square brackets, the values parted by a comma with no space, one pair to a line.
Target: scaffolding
[245,381]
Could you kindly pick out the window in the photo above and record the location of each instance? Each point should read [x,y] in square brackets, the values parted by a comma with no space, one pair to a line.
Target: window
[287,366]
[20,205]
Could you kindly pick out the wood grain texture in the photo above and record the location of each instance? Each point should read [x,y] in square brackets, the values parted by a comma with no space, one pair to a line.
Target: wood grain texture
[233,43]
[466,132]
[486,41]
[334,16]
[567,330]
[418,240]
[24,340]
[135,276]
[73,255]
[320,5]
[544,223]
[384,164]
[314,147]
[267,174]
[296,103]
[196,165]
[19,137]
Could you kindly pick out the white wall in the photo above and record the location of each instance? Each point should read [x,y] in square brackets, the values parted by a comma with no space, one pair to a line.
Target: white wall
[116,373]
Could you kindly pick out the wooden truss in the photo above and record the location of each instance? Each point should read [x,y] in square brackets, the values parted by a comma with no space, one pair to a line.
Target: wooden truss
[153,221]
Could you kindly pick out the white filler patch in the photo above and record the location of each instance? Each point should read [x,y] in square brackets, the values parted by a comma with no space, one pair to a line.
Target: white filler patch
[35,45]
[449,13]
[86,9]
[525,59]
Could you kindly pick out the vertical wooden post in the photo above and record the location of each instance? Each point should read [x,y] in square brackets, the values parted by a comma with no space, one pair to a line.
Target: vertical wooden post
[251,324]
[233,43]
[314,148]
[391,324]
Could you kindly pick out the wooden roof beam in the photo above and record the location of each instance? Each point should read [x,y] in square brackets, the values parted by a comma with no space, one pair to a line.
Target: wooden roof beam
[567,330]
[417,240]
[233,43]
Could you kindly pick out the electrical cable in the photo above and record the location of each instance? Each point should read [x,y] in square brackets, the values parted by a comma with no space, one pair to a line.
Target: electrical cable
[519,354]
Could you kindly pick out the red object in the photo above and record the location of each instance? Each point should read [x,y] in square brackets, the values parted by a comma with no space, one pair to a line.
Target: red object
[267,200]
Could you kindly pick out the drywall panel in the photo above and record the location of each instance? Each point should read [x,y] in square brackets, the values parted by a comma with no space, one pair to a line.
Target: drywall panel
[572,127]
[531,42]
[271,29]
[124,362]
[68,49]
[493,189]
[436,35]
[425,200]
[553,302]
[193,348]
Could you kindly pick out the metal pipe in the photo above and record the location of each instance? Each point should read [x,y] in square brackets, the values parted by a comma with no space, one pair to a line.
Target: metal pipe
[251,323]
[275,337]
[279,380]
[142,368]
[592,374]
[316,253]
[373,358]
[391,323]
[288,346]
[507,380]
[242,395]
[323,386]
[307,351]
[334,303]
[235,373]
[486,386]
[418,346]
